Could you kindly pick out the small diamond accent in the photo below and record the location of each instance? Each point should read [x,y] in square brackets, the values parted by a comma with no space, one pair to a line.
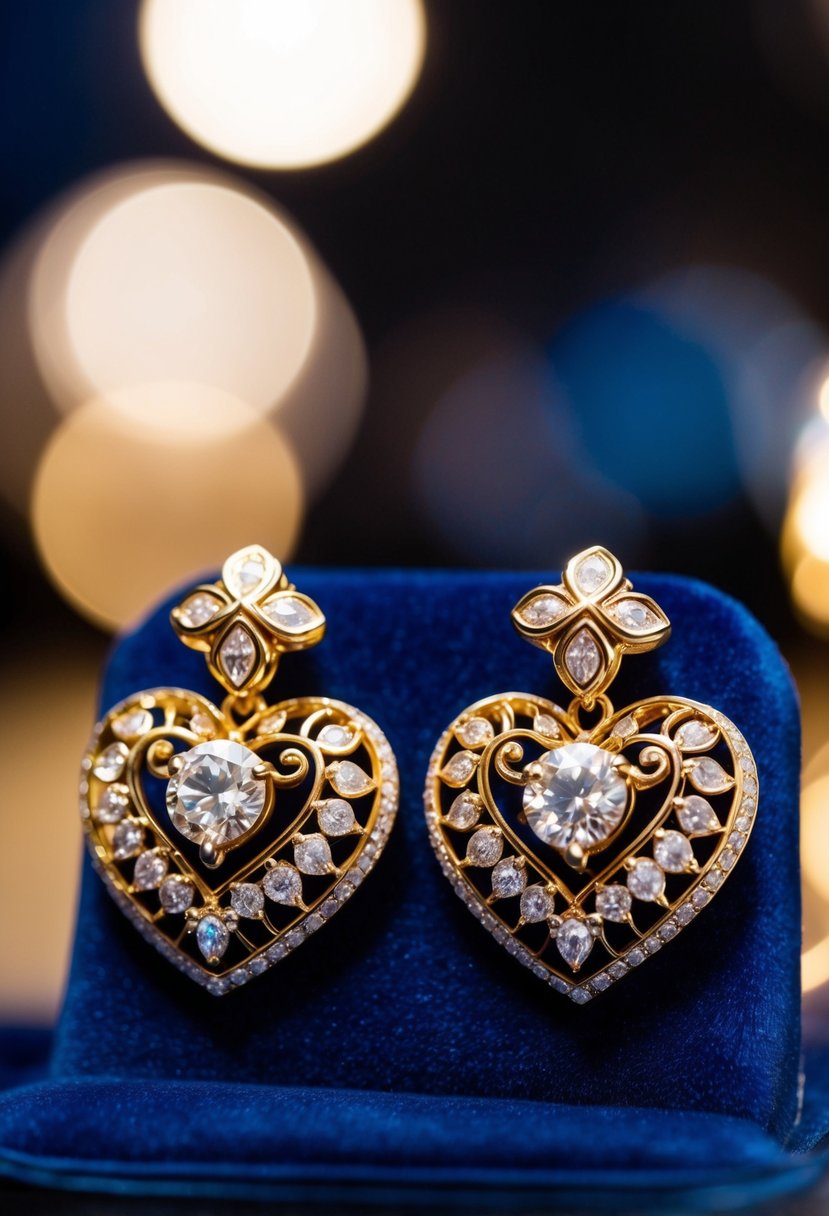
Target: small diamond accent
[247,900]
[150,869]
[537,903]
[459,769]
[617,970]
[574,941]
[696,735]
[110,764]
[508,879]
[336,735]
[714,879]
[291,613]
[601,981]
[633,615]
[626,727]
[546,725]
[727,859]
[543,609]
[485,847]
[581,996]
[335,817]
[475,732]
[646,880]
[271,723]
[673,852]
[743,822]
[198,609]
[696,816]
[212,938]
[176,894]
[669,930]
[736,840]
[635,957]
[312,854]
[133,724]
[464,812]
[127,839]
[592,574]
[685,914]
[710,777]
[113,804]
[282,884]
[246,573]
[614,903]
[700,898]
[237,655]
[202,724]
[349,779]
[582,658]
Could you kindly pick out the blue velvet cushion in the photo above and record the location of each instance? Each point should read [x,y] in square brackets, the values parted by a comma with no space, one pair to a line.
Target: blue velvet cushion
[401,1047]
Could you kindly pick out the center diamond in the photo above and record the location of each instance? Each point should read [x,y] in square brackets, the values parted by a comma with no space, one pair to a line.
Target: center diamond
[576,796]
[215,796]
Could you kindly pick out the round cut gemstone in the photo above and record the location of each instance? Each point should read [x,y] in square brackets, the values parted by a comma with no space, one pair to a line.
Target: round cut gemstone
[246,899]
[646,879]
[336,817]
[578,797]
[537,903]
[614,903]
[673,852]
[283,884]
[508,878]
[176,894]
[215,796]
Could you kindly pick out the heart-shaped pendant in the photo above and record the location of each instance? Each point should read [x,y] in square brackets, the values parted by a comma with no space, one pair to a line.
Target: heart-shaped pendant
[228,835]
[586,839]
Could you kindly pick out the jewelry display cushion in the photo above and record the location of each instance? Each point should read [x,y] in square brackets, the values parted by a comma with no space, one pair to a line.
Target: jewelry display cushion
[399,1054]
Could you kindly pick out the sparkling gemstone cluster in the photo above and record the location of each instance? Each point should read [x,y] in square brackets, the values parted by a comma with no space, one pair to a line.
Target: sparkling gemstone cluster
[574,791]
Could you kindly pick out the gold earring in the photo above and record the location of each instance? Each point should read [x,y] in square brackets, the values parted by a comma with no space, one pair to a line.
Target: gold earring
[587,838]
[229,835]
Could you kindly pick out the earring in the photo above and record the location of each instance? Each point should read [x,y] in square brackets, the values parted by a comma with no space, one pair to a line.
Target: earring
[228,835]
[585,839]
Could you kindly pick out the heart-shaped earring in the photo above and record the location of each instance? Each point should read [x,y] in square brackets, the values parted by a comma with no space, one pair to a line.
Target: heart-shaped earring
[587,838]
[228,835]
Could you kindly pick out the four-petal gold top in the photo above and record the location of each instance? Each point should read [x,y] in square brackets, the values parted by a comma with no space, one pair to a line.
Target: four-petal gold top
[247,620]
[589,621]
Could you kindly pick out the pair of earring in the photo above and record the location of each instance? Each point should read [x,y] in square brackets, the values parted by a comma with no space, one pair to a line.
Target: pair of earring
[584,839]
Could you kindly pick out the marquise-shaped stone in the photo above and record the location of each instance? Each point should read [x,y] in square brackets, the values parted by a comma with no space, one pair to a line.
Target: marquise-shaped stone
[593,573]
[198,609]
[697,817]
[709,776]
[237,655]
[582,658]
[349,779]
[248,571]
[459,769]
[292,613]
[541,610]
[574,941]
[696,735]
[637,614]
[475,732]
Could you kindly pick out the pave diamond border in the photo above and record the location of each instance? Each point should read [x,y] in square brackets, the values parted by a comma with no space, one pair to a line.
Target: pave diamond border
[388,793]
[710,880]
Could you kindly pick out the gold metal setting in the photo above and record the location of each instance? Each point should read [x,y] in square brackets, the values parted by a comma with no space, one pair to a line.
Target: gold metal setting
[230,834]
[586,838]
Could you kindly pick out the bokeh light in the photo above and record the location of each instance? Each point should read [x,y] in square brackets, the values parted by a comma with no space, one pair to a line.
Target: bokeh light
[178,279]
[805,533]
[122,511]
[282,83]
[155,274]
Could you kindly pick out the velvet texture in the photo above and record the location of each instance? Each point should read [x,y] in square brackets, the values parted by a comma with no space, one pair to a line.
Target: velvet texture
[401,1046]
